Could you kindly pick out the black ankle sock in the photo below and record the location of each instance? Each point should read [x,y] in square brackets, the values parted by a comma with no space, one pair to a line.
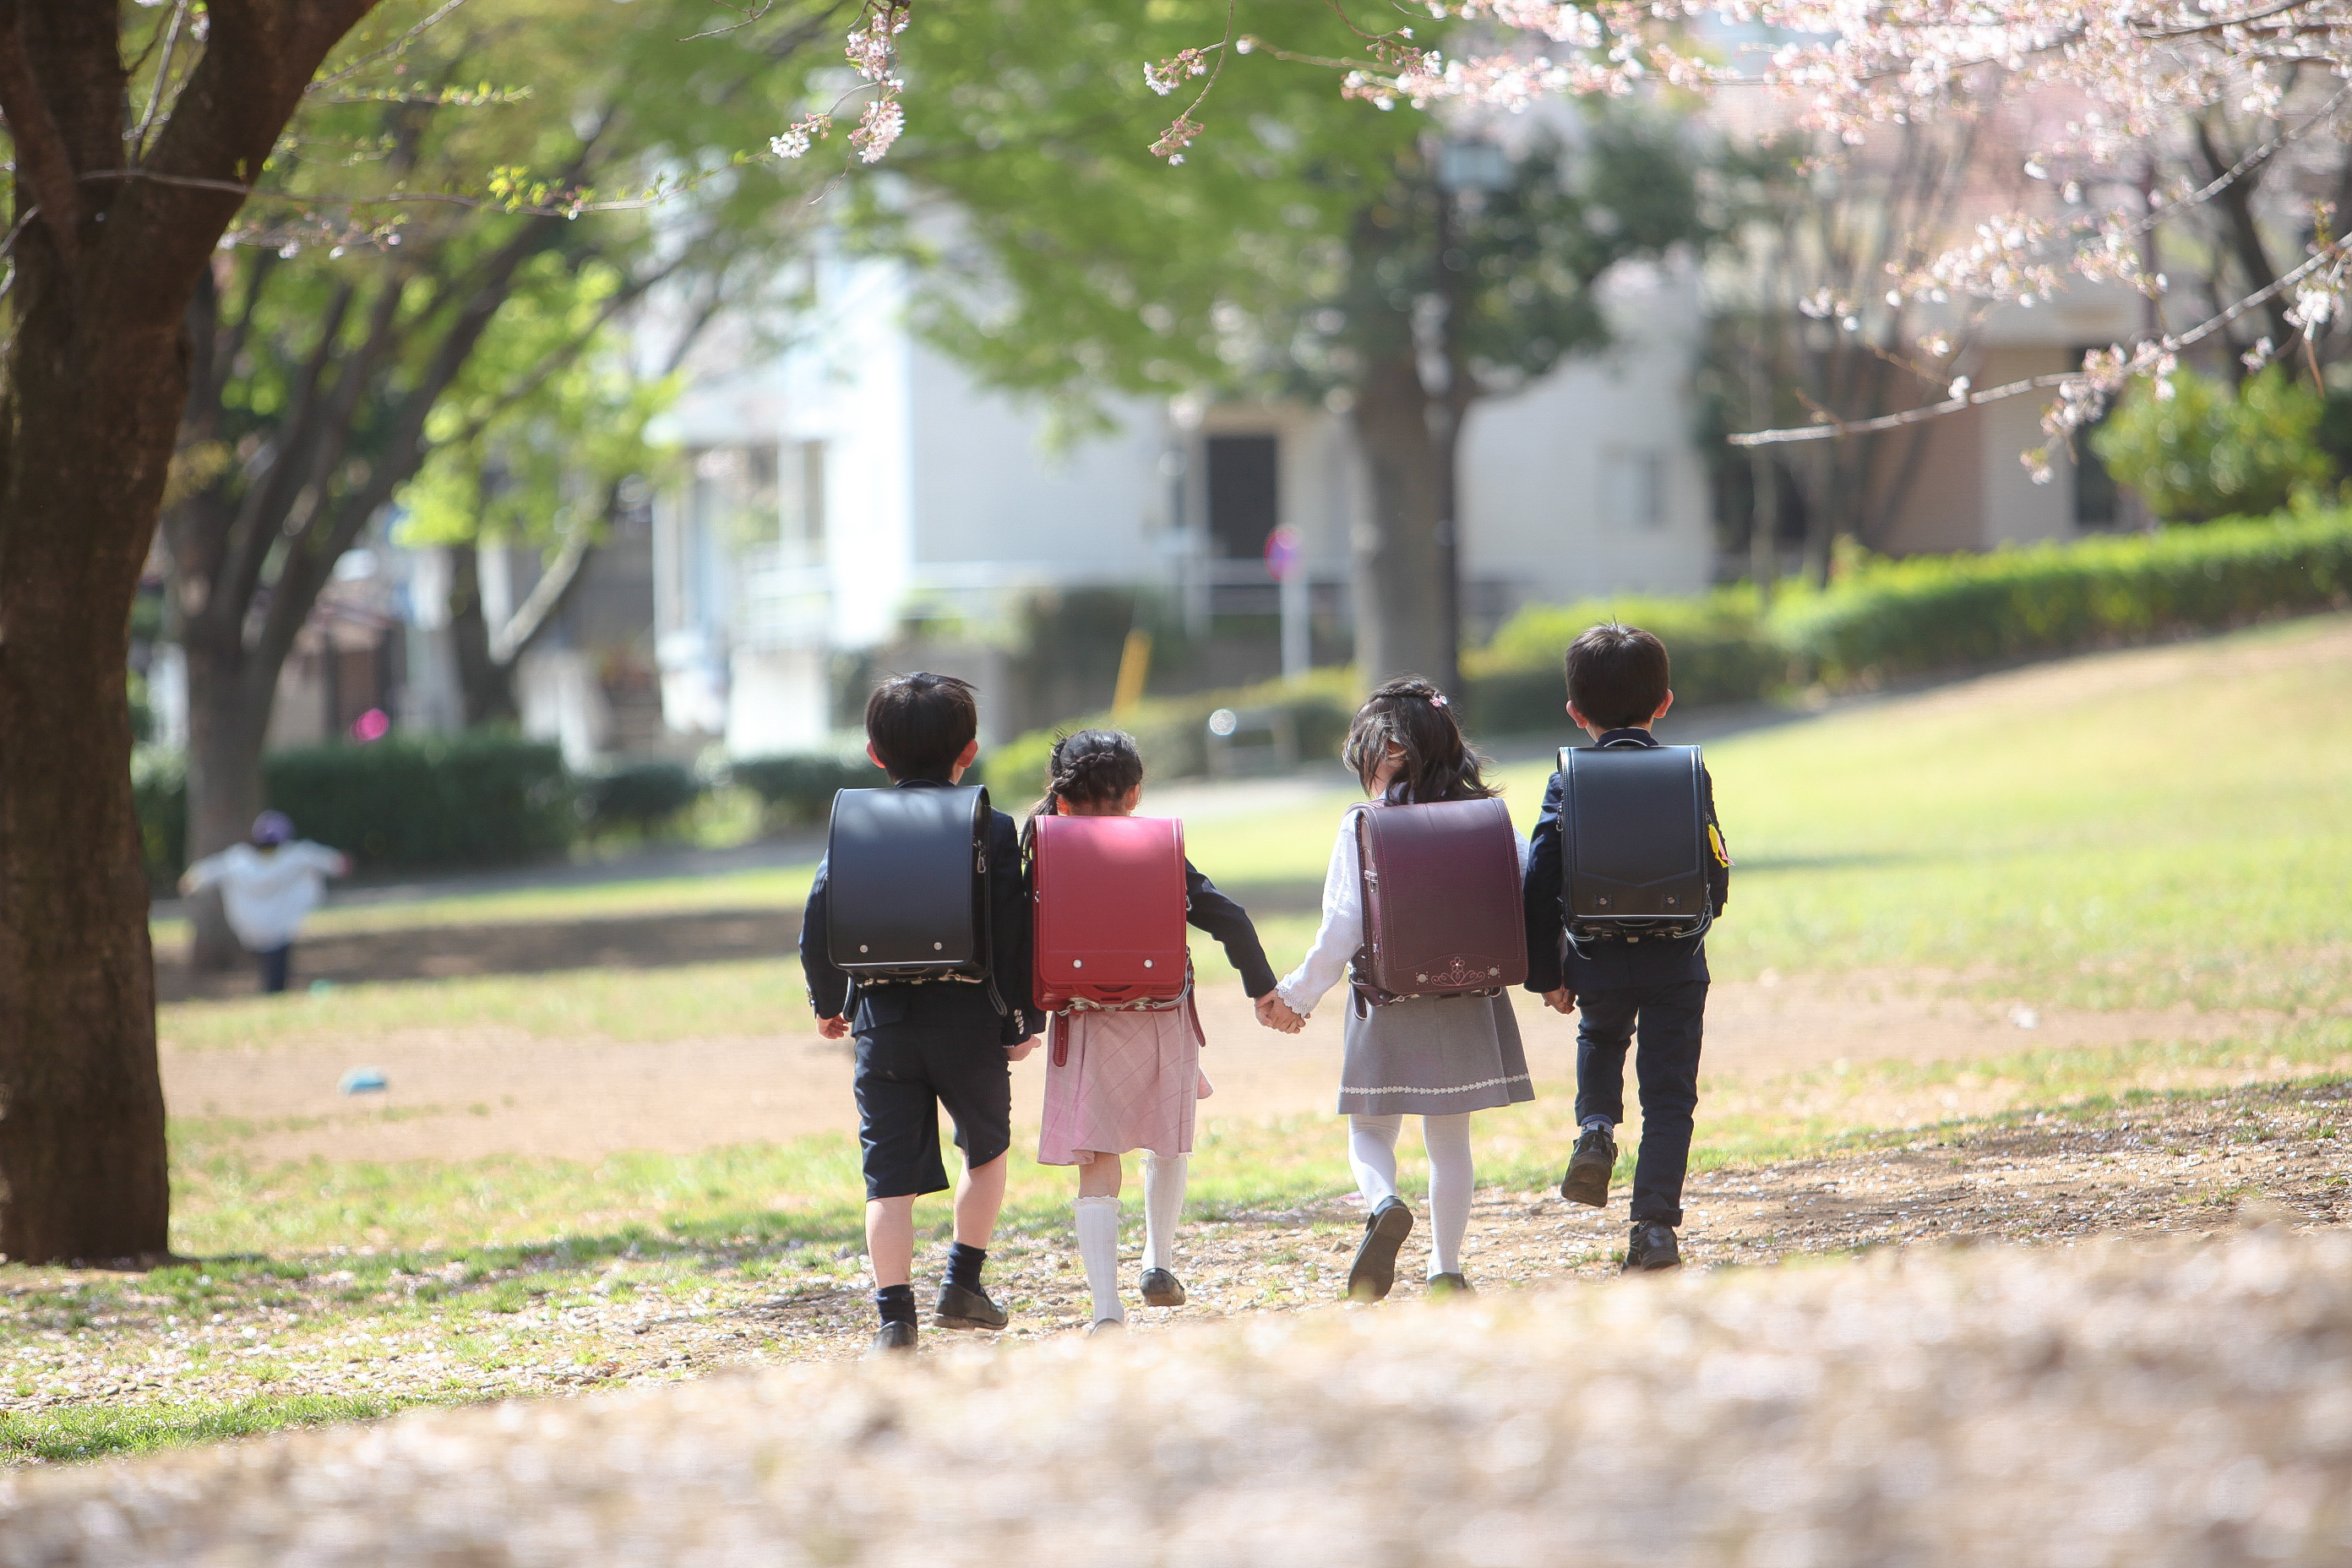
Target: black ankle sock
[963,1265]
[895,1303]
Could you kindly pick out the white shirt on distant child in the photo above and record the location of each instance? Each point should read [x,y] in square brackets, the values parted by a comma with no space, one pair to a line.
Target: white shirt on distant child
[266,893]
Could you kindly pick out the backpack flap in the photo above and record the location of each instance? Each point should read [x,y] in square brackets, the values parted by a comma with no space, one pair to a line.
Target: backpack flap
[1634,840]
[1109,894]
[1440,891]
[906,883]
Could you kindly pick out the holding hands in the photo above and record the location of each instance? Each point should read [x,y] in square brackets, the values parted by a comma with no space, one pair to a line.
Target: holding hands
[1276,1014]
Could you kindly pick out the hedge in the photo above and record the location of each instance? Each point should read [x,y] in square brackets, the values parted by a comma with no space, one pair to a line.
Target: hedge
[1172,732]
[639,795]
[1892,618]
[799,789]
[1721,652]
[397,802]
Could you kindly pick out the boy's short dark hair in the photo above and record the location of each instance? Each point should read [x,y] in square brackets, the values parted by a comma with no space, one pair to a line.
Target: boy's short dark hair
[918,724]
[1617,675]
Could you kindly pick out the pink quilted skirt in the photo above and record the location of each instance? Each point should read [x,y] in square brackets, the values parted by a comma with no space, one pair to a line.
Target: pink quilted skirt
[1120,1081]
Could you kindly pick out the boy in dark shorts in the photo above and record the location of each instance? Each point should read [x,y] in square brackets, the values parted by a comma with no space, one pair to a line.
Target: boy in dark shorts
[1656,986]
[920,1047]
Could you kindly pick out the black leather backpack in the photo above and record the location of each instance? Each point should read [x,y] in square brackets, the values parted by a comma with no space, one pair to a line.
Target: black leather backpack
[907,885]
[1633,843]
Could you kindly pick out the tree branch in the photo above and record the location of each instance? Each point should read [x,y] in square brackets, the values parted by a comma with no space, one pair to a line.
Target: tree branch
[43,164]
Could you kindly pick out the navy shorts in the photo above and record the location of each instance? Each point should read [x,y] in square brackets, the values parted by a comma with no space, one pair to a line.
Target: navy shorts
[903,1077]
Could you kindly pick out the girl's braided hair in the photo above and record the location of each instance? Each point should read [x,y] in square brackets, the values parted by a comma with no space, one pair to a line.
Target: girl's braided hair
[1413,715]
[1093,767]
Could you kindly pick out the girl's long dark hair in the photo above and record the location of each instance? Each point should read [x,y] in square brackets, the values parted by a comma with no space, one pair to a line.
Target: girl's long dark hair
[1413,715]
[1092,767]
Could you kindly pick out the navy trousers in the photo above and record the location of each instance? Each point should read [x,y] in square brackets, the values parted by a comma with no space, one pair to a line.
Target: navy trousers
[1668,1021]
[274,965]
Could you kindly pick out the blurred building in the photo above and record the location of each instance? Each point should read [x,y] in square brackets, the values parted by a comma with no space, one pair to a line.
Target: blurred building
[856,481]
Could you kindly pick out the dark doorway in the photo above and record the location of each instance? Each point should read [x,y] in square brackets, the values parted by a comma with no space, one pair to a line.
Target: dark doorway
[1244,497]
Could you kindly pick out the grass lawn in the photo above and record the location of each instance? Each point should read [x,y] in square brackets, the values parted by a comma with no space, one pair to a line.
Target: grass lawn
[2105,836]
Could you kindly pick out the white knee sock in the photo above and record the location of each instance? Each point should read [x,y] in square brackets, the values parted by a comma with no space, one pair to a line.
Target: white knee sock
[1098,1251]
[1372,1153]
[1451,1183]
[1163,1201]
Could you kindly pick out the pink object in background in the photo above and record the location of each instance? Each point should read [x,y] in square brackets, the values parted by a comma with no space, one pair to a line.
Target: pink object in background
[373,725]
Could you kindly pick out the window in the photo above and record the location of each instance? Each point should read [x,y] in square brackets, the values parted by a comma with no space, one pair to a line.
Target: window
[2096,497]
[1245,498]
[1634,490]
[802,483]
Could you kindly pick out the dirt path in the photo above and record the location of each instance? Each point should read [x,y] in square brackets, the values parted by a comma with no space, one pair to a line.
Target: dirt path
[463,1093]
[2179,1166]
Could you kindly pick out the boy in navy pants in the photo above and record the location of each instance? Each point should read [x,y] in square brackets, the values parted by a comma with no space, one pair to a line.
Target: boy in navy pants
[922,1046]
[1653,987]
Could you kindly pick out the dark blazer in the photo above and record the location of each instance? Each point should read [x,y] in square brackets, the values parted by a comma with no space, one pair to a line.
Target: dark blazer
[947,1006]
[1611,965]
[1230,924]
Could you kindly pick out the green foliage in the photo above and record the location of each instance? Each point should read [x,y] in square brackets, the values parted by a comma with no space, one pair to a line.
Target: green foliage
[1887,617]
[1289,251]
[1172,732]
[799,790]
[2204,452]
[1720,650]
[639,795]
[466,800]
[159,787]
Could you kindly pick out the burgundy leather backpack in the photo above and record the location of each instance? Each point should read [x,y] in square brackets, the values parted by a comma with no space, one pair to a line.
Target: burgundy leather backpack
[1442,908]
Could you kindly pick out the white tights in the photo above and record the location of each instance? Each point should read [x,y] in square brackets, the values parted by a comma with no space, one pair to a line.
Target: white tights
[1371,1152]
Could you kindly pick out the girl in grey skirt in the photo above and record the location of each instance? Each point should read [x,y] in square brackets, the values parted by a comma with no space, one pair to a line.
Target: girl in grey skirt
[1437,1058]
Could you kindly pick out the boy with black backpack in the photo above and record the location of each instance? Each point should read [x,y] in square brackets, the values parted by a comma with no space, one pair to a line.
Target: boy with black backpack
[1628,866]
[928,1034]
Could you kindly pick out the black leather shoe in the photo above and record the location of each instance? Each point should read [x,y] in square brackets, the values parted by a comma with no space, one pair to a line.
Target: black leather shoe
[961,1308]
[892,1339]
[1443,1286]
[1161,1289]
[1373,1273]
[1651,1248]
[1589,1169]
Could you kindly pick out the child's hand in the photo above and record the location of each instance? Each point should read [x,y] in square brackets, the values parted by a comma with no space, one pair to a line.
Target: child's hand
[832,1028]
[1276,1013]
[1561,1001]
[1021,1051]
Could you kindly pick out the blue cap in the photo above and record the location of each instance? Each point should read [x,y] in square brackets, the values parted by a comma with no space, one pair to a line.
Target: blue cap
[273,827]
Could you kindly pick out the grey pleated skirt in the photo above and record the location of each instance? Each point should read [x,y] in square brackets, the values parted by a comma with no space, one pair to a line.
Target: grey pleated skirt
[1433,1056]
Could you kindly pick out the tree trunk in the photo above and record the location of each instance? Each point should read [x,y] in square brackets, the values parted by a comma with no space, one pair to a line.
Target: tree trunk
[88,429]
[485,684]
[225,789]
[1400,609]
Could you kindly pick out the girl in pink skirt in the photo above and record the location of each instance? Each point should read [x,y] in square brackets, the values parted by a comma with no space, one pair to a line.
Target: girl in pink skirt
[1119,1080]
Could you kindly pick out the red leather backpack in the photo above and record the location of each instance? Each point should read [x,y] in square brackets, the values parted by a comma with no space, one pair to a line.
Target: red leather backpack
[1109,893]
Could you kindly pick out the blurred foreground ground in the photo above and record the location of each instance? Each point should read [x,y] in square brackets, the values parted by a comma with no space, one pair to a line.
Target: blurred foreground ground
[2119,1404]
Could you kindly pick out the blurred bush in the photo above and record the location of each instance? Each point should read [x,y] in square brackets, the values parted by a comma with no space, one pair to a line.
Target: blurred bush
[1889,618]
[798,789]
[429,800]
[636,795]
[159,788]
[1172,732]
[2205,451]
[1721,652]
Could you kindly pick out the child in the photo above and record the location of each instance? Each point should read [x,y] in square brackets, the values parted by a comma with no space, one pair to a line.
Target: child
[1616,689]
[1117,1080]
[920,1047]
[1440,1058]
[268,886]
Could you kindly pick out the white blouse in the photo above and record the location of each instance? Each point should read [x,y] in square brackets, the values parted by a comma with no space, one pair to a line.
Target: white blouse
[1342,935]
